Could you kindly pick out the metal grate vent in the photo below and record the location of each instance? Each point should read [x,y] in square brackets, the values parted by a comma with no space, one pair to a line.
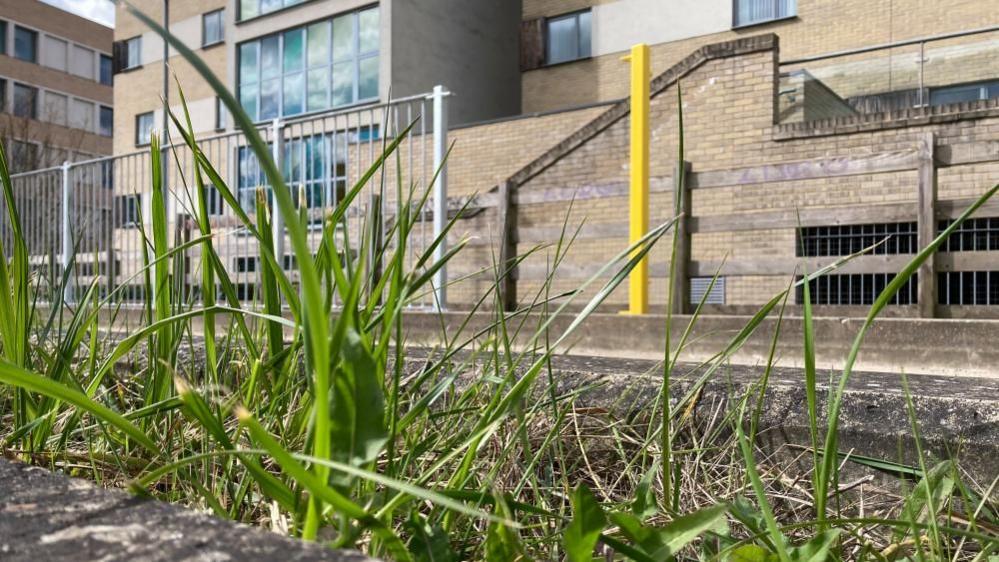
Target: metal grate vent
[699,286]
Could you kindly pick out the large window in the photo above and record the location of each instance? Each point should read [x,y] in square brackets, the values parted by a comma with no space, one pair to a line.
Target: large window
[143,128]
[212,28]
[968,288]
[107,121]
[326,64]
[25,44]
[3,37]
[25,101]
[846,239]
[315,164]
[127,210]
[253,8]
[964,93]
[857,289]
[749,12]
[107,70]
[568,38]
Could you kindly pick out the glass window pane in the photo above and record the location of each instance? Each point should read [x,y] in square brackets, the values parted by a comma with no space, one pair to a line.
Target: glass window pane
[562,40]
[25,99]
[319,43]
[247,63]
[269,6]
[368,78]
[212,32]
[293,43]
[270,61]
[294,92]
[107,121]
[248,9]
[343,83]
[25,44]
[248,99]
[3,38]
[368,35]
[343,37]
[134,47]
[318,84]
[269,90]
[107,72]
[584,34]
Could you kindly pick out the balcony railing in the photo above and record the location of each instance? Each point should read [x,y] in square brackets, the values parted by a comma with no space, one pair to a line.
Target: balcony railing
[940,70]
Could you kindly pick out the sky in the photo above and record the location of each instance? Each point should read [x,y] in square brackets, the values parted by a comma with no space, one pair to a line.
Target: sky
[101,11]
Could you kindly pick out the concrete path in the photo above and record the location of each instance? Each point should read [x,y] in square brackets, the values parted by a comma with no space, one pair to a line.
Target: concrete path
[46,517]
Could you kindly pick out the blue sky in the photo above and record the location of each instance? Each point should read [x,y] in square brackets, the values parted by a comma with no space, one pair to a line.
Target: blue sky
[101,11]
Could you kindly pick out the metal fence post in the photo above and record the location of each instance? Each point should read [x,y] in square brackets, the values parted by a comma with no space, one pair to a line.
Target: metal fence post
[440,193]
[67,235]
[277,221]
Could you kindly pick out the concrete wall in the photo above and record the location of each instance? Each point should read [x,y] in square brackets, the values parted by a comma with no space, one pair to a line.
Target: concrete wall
[472,51]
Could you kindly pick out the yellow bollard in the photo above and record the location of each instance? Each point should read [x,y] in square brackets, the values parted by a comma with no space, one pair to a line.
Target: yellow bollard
[638,281]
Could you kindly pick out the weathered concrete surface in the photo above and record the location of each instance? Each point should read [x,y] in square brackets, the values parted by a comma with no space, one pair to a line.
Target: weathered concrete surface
[49,517]
[957,417]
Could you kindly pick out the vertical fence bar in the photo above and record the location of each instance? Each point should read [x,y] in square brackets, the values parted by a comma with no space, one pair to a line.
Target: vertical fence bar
[67,237]
[277,221]
[440,193]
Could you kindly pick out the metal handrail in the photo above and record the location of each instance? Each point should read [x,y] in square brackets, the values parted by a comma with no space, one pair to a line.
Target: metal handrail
[906,42]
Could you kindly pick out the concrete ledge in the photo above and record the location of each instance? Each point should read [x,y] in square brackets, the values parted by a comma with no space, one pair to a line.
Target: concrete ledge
[48,517]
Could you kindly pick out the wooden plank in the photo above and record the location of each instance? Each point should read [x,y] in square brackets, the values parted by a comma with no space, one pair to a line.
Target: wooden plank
[679,280]
[506,220]
[657,184]
[788,218]
[896,161]
[968,261]
[927,224]
[951,209]
[967,153]
[787,266]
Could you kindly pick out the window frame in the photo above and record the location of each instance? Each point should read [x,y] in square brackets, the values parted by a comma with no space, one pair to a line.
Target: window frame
[128,53]
[4,28]
[100,120]
[124,218]
[220,114]
[34,101]
[100,69]
[547,36]
[152,122]
[736,24]
[220,13]
[356,59]
[34,44]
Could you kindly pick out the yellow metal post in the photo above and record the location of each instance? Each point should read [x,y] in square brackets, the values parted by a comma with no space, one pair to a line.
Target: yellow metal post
[638,282]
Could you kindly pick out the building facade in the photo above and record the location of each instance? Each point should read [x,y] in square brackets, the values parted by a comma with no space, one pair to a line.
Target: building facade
[298,58]
[56,98]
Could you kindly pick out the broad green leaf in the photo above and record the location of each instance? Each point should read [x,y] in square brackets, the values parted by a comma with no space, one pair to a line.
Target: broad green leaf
[932,490]
[644,505]
[588,521]
[682,530]
[502,541]
[357,418]
[751,553]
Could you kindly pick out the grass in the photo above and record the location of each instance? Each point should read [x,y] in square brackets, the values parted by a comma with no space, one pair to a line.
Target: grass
[322,426]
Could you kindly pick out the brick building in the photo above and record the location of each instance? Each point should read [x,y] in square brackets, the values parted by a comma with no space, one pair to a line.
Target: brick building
[55,85]
[866,122]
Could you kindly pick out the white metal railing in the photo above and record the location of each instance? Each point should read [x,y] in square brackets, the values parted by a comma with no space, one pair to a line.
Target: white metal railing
[93,214]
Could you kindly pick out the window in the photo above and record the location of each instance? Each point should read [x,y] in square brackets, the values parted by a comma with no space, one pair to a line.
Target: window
[25,44]
[860,289]
[132,57]
[24,156]
[246,264]
[843,240]
[54,53]
[212,28]
[314,167]
[964,93]
[213,200]
[969,288]
[749,12]
[56,108]
[326,64]
[25,101]
[973,235]
[127,210]
[143,128]
[107,121]
[107,71]
[3,37]
[219,114]
[699,289]
[81,114]
[568,38]
[253,8]
[81,62]
[3,94]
